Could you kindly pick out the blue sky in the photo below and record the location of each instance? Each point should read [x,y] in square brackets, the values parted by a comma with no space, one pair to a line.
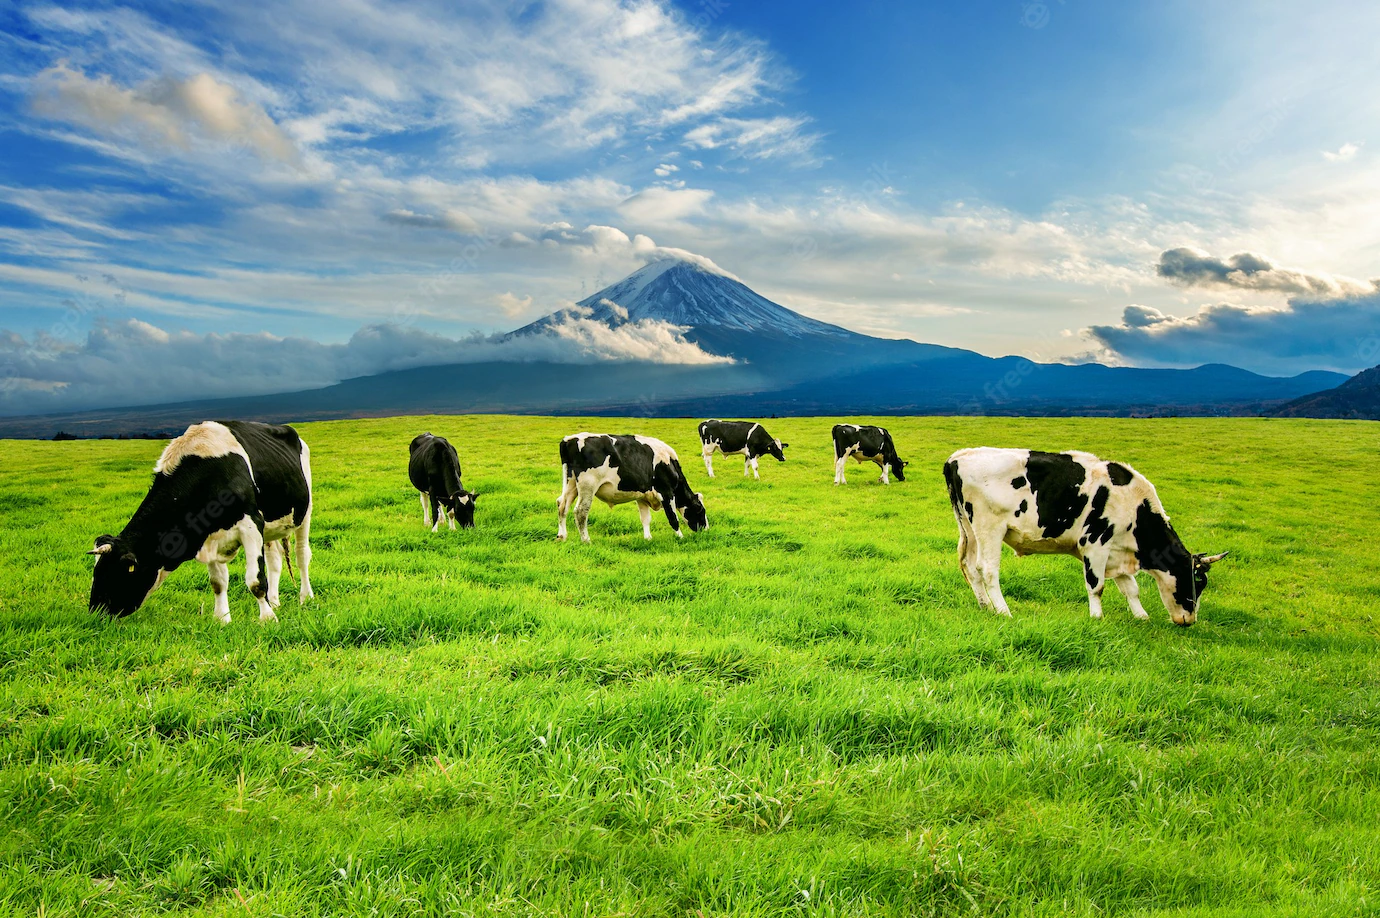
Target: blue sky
[213,198]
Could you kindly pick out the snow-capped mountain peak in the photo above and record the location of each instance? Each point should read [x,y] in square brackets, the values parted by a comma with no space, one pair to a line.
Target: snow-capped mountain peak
[696,294]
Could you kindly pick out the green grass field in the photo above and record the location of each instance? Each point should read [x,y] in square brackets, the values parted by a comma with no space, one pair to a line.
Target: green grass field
[801,711]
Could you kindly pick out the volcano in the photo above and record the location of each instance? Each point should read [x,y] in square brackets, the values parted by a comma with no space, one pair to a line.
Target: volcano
[725,317]
[694,294]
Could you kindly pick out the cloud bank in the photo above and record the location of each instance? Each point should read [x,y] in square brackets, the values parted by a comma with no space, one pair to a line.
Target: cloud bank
[1248,271]
[1337,334]
[1329,322]
[135,363]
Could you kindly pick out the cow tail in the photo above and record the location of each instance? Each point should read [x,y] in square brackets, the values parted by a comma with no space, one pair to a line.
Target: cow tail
[966,536]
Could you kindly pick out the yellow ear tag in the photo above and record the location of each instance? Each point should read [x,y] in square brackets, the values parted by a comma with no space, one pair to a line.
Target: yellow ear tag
[131,568]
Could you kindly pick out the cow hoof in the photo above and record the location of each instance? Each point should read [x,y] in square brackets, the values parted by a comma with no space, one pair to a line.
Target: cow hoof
[267,616]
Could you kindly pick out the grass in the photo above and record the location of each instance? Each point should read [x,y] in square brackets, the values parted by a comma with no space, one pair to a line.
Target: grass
[799,712]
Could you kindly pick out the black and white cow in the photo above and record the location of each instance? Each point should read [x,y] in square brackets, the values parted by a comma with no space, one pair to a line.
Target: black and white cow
[434,469]
[219,486]
[1105,513]
[746,437]
[620,469]
[866,444]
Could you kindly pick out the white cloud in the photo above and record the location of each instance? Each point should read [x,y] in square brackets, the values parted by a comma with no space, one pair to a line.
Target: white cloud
[660,206]
[1348,151]
[757,138]
[665,169]
[512,305]
[450,219]
[167,111]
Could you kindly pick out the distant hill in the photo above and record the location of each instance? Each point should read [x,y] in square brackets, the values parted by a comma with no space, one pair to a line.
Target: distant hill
[1356,399]
[784,363]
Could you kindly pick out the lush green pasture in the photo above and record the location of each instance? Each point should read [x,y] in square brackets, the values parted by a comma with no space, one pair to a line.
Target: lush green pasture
[800,711]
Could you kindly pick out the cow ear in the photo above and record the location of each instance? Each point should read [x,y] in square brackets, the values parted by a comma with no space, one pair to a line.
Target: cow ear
[104,545]
[784,445]
[1210,560]
[474,496]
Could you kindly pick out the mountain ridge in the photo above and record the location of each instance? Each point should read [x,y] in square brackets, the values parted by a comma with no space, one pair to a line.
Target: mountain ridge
[1357,399]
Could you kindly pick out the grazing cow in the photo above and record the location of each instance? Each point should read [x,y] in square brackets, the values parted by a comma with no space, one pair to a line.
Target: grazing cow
[1105,513]
[219,486]
[434,468]
[870,444]
[619,469]
[746,437]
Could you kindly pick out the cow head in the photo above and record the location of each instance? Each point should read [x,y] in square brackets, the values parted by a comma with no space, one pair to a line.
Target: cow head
[461,508]
[695,515]
[121,581]
[1182,586]
[775,447]
[897,467]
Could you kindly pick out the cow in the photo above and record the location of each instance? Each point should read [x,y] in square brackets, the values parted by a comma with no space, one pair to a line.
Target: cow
[434,469]
[746,437]
[219,486]
[863,443]
[1104,513]
[620,469]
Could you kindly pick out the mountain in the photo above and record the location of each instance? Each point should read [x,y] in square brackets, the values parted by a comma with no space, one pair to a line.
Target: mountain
[1356,399]
[782,363]
[727,318]
[695,294]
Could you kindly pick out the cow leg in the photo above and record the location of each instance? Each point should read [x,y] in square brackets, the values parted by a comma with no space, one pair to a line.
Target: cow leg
[989,543]
[274,553]
[839,477]
[968,563]
[219,573]
[426,507]
[709,460]
[302,545]
[563,506]
[668,503]
[1131,590]
[886,470]
[586,500]
[437,513]
[755,476]
[252,538]
[1095,576]
[644,510]
[450,515]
